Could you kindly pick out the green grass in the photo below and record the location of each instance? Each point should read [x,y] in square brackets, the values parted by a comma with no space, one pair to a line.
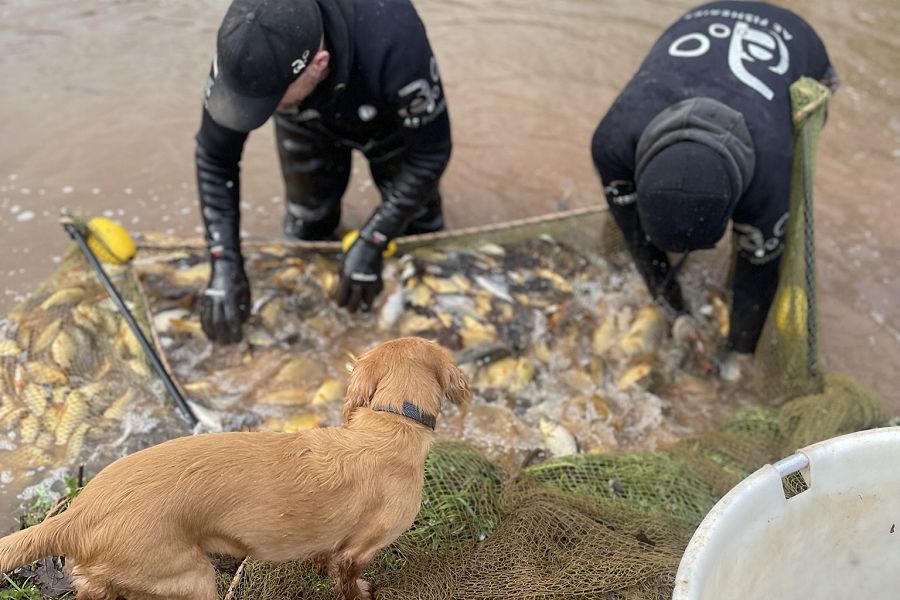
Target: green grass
[24,591]
[33,513]
[44,500]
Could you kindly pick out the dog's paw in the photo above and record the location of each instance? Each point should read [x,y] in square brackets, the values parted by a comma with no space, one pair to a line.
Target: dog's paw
[365,589]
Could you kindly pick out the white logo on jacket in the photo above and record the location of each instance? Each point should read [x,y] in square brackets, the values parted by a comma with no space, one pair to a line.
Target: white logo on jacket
[756,247]
[424,99]
[747,45]
[367,112]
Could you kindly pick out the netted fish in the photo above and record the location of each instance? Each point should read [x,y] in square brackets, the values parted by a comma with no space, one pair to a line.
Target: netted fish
[74,384]
[564,349]
[547,332]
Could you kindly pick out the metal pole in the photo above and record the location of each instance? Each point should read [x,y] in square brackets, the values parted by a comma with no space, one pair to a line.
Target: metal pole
[180,402]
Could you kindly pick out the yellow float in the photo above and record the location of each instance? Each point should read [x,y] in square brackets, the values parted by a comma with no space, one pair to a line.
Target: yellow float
[110,241]
[791,312]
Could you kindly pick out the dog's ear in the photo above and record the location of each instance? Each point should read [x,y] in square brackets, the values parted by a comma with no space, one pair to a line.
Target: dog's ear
[362,385]
[456,385]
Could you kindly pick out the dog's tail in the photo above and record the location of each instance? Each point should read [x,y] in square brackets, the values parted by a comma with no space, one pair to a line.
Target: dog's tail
[28,545]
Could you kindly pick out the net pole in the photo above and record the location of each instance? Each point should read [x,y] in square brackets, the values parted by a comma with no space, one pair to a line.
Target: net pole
[810,252]
[76,234]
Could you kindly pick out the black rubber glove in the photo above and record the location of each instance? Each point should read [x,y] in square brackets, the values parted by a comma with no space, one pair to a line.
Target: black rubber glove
[361,275]
[652,263]
[225,303]
[660,277]
[671,295]
[732,366]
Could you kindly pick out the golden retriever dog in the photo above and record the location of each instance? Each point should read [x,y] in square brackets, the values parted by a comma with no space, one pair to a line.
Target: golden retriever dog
[143,528]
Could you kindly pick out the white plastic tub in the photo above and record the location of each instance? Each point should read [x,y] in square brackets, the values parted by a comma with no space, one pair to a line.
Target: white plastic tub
[837,540]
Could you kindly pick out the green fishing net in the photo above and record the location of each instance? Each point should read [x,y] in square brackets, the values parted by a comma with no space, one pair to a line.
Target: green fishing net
[605,523]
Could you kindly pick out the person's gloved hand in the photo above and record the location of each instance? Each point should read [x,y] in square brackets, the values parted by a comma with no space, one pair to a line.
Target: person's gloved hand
[733,366]
[360,276]
[669,295]
[225,303]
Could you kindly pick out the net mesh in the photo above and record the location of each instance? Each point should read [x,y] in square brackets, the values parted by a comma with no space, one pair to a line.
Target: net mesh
[787,359]
[584,526]
[588,498]
[787,354]
[73,369]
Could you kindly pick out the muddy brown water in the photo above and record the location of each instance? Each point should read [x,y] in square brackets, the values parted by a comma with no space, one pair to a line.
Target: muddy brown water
[101,102]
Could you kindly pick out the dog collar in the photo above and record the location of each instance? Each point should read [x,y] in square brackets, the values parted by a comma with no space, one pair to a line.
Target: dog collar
[411,411]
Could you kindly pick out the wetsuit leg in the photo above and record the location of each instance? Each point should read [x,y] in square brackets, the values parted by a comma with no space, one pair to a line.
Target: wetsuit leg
[316,169]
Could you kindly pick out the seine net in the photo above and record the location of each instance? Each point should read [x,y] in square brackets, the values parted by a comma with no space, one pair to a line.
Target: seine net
[598,437]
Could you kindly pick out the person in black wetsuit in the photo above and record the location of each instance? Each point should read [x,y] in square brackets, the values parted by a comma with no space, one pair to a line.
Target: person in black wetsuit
[336,75]
[701,135]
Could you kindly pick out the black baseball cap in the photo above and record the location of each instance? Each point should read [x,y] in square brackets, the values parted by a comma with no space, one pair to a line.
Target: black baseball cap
[686,195]
[262,47]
